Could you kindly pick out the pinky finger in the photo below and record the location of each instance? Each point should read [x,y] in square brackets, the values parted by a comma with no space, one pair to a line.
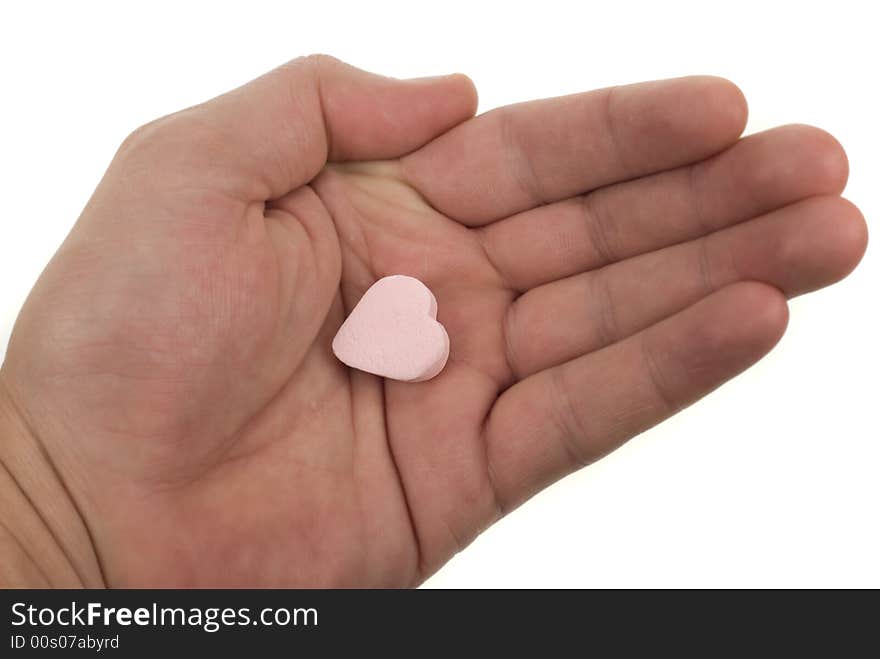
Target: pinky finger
[560,419]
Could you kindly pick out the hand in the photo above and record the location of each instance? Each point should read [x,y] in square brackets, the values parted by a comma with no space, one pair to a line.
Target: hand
[600,261]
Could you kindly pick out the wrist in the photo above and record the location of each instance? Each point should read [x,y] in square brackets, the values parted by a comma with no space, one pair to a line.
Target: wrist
[44,541]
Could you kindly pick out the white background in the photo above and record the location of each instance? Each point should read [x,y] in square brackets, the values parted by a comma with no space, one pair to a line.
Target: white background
[772,481]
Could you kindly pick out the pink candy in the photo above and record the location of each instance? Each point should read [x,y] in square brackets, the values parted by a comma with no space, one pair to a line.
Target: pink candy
[393,332]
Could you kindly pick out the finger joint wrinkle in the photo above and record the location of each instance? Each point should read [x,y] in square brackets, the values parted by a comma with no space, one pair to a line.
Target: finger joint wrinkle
[573,435]
[522,169]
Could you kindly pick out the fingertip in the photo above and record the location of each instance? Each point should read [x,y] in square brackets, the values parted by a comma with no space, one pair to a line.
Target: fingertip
[821,158]
[851,236]
[707,113]
[750,319]
[831,161]
[765,310]
[824,244]
[722,101]
[730,102]
[456,90]
[467,91]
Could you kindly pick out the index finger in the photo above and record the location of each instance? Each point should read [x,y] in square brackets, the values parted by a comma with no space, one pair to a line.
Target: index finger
[520,156]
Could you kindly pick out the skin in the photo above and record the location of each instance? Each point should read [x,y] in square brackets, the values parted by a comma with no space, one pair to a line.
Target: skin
[172,414]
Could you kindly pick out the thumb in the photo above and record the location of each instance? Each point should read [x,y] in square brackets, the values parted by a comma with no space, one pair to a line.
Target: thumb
[275,133]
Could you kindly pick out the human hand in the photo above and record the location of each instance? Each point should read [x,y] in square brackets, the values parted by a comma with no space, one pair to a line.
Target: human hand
[175,416]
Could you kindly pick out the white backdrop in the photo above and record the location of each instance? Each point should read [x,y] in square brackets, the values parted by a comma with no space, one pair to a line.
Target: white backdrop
[771,481]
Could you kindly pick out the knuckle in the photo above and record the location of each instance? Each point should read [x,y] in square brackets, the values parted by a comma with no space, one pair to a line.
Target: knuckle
[137,138]
[166,138]
[317,62]
[143,140]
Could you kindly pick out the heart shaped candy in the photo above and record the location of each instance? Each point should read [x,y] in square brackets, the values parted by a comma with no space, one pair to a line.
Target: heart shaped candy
[393,332]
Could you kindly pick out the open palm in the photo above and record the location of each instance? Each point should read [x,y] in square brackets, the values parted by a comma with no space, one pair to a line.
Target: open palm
[599,261]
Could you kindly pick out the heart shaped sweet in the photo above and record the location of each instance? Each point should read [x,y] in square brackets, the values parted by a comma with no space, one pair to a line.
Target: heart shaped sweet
[393,332]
